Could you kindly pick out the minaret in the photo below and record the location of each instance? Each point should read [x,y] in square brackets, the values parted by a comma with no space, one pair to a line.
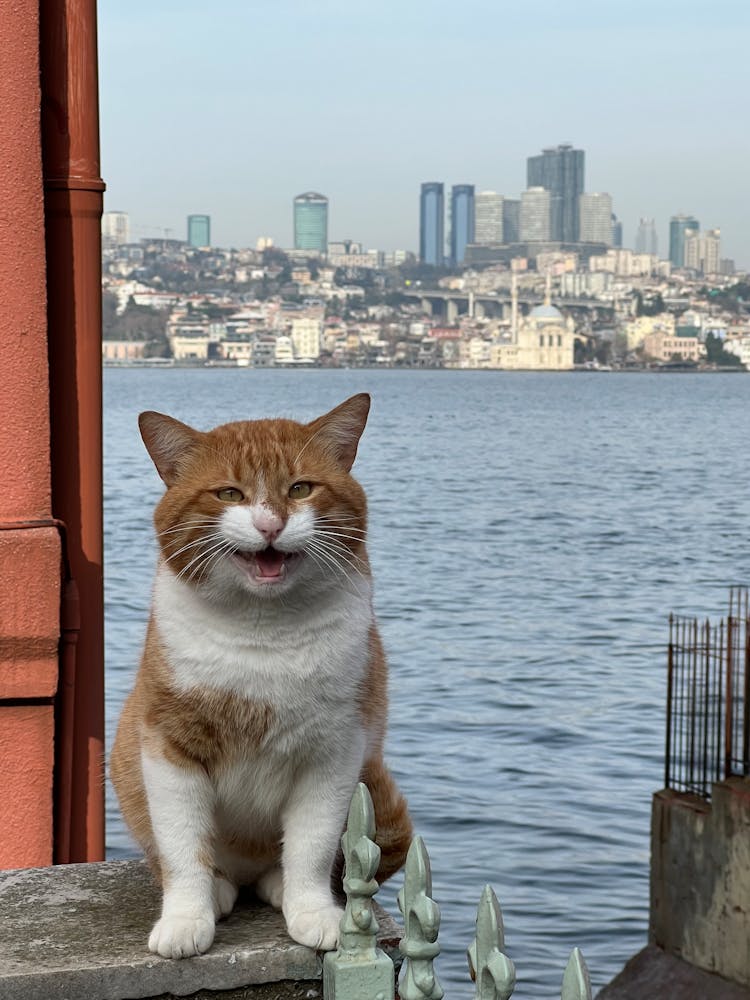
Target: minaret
[548,288]
[514,307]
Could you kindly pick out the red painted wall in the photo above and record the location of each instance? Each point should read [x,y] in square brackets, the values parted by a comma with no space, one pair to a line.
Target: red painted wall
[29,558]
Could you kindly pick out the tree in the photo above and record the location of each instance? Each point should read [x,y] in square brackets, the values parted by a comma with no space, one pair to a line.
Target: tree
[716,355]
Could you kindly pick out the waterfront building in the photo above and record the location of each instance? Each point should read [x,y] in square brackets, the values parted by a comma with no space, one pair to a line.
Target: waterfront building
[462,220]
[488,226]
[560,170]
[535,221]
[199,230]
[305,336]
[645,238]
[311,222]
[702,251]
[431,224]
[511,220]
[595,218]
[679,225]
[665,347]
[115,229]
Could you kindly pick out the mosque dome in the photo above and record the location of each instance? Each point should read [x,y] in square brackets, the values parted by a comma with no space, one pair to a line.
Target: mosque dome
[548,313]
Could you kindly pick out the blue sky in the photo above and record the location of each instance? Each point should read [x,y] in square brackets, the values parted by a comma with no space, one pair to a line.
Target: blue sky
[232,108]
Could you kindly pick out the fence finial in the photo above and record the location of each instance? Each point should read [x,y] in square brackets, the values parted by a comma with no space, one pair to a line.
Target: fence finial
[576,984]
[421,925]
[359,970]
[493,971]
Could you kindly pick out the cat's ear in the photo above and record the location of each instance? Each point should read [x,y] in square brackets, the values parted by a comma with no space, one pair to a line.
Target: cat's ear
[167,441]
[339,430]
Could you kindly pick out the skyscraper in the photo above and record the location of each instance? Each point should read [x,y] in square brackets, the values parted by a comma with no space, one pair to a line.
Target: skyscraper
[462,220]
[645,238]
[199,230]
[511,220]
[431,224]
[115,228]
[616,232]
[679,225]
[560,170]
[488,227]
[534,223]
[703,251]
[311,222]
[595,224]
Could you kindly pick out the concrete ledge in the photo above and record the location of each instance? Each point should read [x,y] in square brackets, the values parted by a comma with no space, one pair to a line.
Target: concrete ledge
[80,931]
[652,974]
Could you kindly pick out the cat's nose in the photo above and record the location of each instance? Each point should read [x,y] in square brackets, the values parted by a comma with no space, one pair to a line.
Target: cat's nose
[270,525]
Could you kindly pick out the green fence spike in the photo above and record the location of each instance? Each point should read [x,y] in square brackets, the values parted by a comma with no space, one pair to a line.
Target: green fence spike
[576,984]
[359,970]
[493,972]
[419,945]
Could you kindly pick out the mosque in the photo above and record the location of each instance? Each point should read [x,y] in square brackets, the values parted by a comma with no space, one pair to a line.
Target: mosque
[541,341]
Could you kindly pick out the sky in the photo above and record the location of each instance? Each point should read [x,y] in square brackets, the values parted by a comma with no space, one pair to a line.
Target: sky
[233,107]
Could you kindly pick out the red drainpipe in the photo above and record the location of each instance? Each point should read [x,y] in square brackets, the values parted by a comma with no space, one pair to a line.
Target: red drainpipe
[73,207]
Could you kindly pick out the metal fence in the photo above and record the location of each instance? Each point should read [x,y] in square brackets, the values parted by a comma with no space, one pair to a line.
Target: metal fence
[708,699]
[359,970]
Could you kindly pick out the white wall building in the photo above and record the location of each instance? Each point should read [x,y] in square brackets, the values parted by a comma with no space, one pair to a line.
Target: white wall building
[488,217]
[306,337]
[595,218]
[703,251]
[535,220]
[115,228]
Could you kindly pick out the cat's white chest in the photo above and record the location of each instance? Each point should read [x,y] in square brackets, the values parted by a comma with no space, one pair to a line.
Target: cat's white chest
[307,666]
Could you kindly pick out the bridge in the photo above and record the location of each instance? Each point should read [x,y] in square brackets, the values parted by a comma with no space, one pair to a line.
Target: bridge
[450,303]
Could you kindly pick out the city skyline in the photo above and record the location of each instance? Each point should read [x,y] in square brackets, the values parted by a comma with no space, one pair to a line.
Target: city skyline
[364,117]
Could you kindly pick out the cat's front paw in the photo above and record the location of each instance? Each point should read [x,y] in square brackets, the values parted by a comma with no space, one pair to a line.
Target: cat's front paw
[317,928]
[181,936]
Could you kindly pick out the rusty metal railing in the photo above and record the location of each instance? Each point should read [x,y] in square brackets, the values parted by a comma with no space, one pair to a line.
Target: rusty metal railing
[708,699]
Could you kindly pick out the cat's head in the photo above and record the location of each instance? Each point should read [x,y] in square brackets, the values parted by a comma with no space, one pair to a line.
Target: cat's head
[261,506]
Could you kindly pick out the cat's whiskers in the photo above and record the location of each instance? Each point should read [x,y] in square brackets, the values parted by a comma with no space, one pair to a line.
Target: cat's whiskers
[206,522]
[189,545]
[328,562]
[215,546]
[336,558]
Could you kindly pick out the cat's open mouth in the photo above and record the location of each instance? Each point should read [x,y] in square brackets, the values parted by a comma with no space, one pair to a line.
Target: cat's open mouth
[267,566]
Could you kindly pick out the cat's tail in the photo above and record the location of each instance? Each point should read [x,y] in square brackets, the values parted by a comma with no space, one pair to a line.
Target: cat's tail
[393,828]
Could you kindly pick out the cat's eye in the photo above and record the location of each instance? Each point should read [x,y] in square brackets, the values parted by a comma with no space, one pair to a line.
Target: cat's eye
[300,490]
[230,495]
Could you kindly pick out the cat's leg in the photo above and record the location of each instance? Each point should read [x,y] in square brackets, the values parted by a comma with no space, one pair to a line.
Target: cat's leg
[225,896]
[313,821]
[181,806]
[270,887]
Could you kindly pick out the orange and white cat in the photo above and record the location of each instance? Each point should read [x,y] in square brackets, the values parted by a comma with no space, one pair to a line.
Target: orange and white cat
[261,695]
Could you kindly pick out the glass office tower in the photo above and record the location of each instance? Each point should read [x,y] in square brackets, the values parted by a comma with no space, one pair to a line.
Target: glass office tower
[311,222]
[431,224]
[560,171]
[199,230]
[679,225]
[462,220]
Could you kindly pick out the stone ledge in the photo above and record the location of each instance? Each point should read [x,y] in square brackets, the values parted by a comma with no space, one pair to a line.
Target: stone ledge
[652,974]
[80,931]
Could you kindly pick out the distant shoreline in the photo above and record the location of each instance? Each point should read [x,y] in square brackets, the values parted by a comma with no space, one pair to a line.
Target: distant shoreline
[169,365]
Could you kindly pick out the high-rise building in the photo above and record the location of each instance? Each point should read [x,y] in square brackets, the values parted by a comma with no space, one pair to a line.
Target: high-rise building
[115,228]
[462,220]
[199,230]
[703,251]
[535,223]
[616,232]
[679,225]
[431,224]
[488,214]
[595,223]
[511,220]
[311,222]
[645,238]
[560,170]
